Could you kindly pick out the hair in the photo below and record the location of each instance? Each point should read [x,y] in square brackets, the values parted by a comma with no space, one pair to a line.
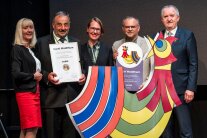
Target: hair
[61,13]
[130,17]
[96,19]
[170,6]
[18,33]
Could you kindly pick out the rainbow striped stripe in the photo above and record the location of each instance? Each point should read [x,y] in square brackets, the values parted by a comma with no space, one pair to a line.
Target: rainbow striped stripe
[97,110]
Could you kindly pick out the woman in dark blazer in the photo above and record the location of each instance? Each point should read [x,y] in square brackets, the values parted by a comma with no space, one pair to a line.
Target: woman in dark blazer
[94,52]
[25,69]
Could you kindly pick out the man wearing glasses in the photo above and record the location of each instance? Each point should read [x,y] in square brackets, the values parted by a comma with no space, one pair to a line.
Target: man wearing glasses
[131,28]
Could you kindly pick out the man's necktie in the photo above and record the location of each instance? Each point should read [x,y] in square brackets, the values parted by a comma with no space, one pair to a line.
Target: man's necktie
[169,34]
[62,39]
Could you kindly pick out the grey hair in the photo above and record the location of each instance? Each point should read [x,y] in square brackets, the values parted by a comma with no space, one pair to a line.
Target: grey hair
[170,6]
[61,13]
[130,17]
[18,39]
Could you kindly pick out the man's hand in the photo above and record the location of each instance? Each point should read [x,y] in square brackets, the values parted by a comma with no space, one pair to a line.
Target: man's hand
[189,95]
[141,86]
[115,53]
[82,79]
[52,77]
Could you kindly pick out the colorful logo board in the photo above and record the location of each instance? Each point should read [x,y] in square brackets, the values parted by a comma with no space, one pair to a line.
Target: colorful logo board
[105,108]
[130,58]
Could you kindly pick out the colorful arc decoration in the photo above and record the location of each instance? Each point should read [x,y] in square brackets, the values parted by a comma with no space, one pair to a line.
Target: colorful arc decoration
[104,92]
[105,109]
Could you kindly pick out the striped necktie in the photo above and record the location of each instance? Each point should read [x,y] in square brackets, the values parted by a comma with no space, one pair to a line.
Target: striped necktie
[62,39]
[169,33]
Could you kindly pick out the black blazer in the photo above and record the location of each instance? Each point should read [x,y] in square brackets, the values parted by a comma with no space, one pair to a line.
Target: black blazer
[23,67]
[105,57]
[53,96]
[185,69]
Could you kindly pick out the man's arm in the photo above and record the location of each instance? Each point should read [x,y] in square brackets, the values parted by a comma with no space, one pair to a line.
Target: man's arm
[193,63]
[193,68]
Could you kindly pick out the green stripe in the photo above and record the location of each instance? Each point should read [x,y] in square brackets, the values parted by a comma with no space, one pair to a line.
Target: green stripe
[139,129]
[132,103]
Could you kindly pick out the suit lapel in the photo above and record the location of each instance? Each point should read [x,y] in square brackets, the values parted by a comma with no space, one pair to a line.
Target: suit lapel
[163,32]
[101,52]
[69,39]
[86,54]
[177,35]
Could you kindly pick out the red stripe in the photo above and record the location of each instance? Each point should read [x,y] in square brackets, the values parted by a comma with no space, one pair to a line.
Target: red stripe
[102,103]
[118,109]
[155,98]
[172,90]
[164,97]
[146,91]
[86,96]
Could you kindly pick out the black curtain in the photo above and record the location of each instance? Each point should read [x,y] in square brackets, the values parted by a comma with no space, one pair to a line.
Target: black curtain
[10,12]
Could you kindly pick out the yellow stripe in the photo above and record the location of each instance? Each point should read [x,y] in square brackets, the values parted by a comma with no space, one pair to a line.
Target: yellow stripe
[165,67]
[153,133]
[137,117]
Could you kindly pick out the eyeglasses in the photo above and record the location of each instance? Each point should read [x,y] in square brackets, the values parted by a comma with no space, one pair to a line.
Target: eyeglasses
[130,27]
[95,29]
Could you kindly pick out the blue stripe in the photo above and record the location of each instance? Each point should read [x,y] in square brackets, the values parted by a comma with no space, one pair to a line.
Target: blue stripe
[106,116]
[79,118]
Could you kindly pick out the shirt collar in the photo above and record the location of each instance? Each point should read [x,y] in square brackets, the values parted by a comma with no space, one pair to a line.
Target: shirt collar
[57,38]
[173,32]
[134,40]
[96,46]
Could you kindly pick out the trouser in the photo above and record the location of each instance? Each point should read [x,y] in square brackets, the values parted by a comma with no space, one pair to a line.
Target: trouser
[57,124]
[182,115]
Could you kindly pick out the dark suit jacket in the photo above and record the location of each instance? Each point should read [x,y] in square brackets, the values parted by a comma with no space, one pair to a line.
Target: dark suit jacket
[185,69]
[105,57]
[23,67]
[53,96]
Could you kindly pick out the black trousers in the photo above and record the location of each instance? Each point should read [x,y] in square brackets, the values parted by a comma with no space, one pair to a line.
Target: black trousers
[181,114]
[57,124]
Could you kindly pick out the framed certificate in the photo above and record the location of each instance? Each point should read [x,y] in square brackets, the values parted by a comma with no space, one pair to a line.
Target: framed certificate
[66,61]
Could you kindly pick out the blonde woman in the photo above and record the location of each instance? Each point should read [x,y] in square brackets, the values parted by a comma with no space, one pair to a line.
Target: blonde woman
[25,69]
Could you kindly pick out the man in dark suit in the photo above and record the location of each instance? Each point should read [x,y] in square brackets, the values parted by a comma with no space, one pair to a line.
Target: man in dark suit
[54,95]
[94,52]
[184,70]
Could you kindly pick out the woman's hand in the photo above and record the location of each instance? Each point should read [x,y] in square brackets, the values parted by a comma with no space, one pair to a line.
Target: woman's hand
[37,76]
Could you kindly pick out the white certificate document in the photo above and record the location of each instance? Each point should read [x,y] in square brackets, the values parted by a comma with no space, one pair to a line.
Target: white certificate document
[66,61]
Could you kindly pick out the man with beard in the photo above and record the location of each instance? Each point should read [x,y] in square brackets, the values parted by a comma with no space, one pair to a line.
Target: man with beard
[54,95]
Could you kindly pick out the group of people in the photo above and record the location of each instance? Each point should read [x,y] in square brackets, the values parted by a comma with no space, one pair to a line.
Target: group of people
[35,82]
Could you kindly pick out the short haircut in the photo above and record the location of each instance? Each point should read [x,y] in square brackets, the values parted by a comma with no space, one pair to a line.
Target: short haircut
[61,13]
[170,6]
[130,17]
[18,39]
[96,19]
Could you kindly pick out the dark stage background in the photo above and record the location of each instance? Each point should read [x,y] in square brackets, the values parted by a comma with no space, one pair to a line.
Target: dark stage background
[111,12]
[10,12]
